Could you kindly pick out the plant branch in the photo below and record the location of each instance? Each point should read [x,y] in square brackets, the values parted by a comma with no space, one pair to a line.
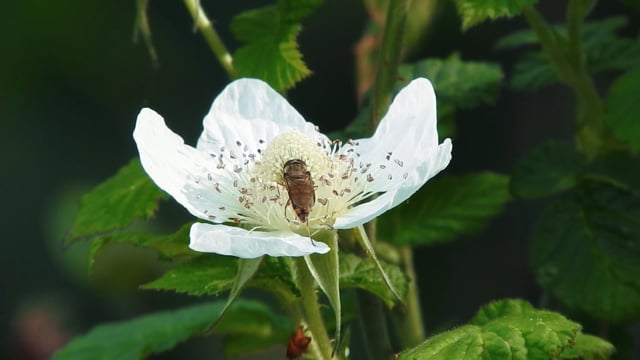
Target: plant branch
[408,319]
[202,23]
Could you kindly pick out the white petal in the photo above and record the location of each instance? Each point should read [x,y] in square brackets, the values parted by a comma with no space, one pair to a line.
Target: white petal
[182,171]
[403,153]
[251,112]
[227,240]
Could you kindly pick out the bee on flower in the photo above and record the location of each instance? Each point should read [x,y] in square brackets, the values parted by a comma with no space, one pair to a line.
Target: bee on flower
[238,178]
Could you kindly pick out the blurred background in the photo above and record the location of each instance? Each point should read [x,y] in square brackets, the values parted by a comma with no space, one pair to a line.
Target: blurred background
[72,82]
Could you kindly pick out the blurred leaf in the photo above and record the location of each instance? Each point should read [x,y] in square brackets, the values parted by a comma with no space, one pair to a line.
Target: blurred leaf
[549,168]
[588,347]
[115,203]
[140,337]
[168,246]
[623,108]
[586,251]
[271,52]
[618,169]
[357,272]
[445,208]
[474,12]
[526,334]
[250,326]
[246,270]
[603,50]
[461,84]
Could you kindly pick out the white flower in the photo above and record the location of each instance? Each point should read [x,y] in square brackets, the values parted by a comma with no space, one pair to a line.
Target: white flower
[235,173]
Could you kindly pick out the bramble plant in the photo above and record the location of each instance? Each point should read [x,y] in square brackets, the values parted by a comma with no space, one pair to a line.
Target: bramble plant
[324,224]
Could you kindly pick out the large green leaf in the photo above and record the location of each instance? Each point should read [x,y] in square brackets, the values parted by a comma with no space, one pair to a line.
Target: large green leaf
[271,52]
[362,273]
[137,338]
[525,333]
[586,250]
[623,108]
[115,203]
[458,84]
[549,168]
[476,11]
[588,347]
[617,169]
[447,207]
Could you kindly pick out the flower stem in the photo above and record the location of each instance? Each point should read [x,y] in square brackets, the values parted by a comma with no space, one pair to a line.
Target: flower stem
[202,23]
[408,319]
[320,345]
[390,55]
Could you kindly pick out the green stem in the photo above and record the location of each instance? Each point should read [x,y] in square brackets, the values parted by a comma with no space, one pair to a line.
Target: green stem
[390,55]
[320,345]
[202,23]
[408,319]
[373,321]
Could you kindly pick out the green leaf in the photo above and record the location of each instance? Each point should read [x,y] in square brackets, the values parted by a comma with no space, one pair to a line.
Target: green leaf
[459,84]
[445,208]
[617,169]
[549,168]
[497,309]
[247,268]
[115,203]
[476,11]
[623,108]
[361,273]
[588,347]
[204,275]
[271,52]
[140,337]
[512,331]
[585,251]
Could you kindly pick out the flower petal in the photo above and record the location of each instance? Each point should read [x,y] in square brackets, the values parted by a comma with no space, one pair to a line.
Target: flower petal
[234,241]
[182,171]
[403,153]
[250,113]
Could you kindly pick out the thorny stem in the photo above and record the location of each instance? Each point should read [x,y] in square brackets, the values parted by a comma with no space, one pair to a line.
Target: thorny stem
[567,60]
[202,23]
[320,345]
[390,55]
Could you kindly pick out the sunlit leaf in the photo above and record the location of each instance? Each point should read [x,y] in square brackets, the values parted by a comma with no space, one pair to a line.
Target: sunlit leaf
[445,208]
[549,168]
[586,250]
[588,347]
[476,11]
[116,202]
[623,108]
[523,334]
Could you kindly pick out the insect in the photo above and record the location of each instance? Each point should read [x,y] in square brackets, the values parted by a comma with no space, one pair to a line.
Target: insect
[297,181]
[298,344]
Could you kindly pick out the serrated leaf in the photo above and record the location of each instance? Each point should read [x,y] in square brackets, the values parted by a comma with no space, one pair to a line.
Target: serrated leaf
[460,84]
[549,168]
[139,337]
[271,52]
[497,309]
[586,251]
[212,274]
[445,208]
[357,272]
[476,11]
[204,275]
[623,108]
[588,347]
[522,334]
[115,203]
